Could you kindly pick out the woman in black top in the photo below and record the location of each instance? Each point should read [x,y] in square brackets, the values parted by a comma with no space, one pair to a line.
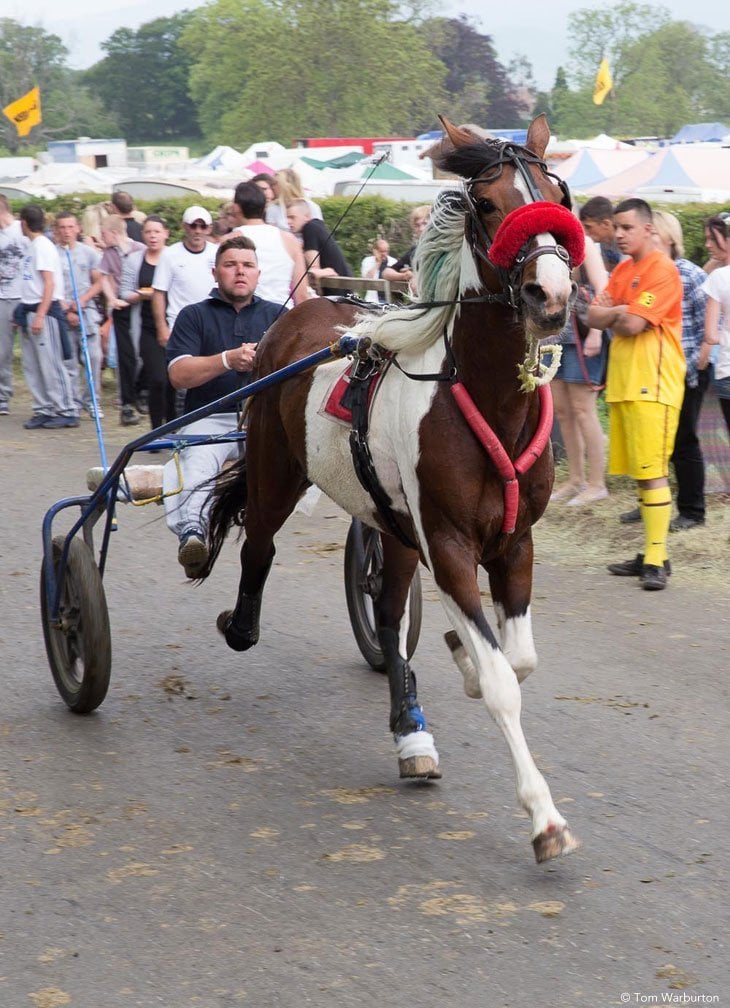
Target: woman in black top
[136,289]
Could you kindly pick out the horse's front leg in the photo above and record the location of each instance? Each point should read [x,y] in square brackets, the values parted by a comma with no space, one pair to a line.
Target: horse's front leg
[510,581]
[272,493]
[456,578]
[240,626]
[417,755]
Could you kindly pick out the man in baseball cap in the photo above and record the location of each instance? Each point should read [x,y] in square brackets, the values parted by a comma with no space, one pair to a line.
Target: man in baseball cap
[184,274]
[195,214]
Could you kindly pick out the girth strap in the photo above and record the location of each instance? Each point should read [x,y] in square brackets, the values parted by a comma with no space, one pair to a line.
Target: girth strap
[363,373]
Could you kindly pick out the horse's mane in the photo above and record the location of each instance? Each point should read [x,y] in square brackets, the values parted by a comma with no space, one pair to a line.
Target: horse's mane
[472,160]
[444,268]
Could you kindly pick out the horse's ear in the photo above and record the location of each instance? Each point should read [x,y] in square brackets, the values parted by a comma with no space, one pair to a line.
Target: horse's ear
[455,136]
[538,135]
[460,136]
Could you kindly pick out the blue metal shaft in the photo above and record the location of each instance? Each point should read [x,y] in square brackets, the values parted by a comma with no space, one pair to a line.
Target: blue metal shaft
[87,359]
[104,497]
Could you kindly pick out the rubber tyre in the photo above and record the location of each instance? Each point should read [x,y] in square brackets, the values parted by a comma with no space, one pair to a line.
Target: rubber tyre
[80,653]
[363,573]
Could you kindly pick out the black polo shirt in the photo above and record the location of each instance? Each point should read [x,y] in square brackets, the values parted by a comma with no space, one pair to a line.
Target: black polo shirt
[212,326]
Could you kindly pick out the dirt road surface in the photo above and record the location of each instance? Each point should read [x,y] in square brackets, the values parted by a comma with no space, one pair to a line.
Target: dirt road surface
[230,829]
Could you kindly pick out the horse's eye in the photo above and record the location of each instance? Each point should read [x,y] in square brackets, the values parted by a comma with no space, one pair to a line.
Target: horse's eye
[486,206]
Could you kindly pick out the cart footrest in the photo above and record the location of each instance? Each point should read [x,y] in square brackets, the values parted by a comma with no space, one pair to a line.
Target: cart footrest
[144,481]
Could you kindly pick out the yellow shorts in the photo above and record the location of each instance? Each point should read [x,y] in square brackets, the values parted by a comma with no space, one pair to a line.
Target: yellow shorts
[641,439]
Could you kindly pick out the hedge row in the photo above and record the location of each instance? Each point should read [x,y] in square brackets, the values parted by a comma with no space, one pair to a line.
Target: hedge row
[356,223]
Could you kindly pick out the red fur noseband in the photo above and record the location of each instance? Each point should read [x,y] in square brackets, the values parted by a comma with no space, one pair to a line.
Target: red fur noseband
[535,218]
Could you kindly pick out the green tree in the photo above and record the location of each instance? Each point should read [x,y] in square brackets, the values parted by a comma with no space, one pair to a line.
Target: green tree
[608,31]
[30,56]
[309,68]
[666,79]
[719,56]
[478,88]
[665,73]
[143,81]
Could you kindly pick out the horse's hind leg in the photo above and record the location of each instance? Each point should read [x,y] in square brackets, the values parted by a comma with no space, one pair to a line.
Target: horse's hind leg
[459,590]
[417,755]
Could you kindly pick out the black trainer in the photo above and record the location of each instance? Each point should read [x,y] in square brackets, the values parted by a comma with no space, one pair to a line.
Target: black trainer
[36,421]
[128,417]
[192,553]
[683,522]
[628,517]
[653,578]
[635,567]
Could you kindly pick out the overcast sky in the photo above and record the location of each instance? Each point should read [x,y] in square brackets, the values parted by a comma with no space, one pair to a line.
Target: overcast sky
[536,29]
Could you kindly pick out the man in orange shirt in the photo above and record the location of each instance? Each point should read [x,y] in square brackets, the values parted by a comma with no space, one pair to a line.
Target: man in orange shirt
[642,304]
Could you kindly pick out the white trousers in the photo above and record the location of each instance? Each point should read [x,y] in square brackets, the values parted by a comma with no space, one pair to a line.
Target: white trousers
[200,464]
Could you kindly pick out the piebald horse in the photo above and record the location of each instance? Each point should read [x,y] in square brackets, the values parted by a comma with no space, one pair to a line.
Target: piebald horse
[457,437]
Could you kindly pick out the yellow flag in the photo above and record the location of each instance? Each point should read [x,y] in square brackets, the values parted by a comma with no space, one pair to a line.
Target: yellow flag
[604,83]
[25,113]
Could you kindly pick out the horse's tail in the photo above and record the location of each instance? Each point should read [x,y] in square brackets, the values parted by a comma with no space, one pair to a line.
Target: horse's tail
[228,507]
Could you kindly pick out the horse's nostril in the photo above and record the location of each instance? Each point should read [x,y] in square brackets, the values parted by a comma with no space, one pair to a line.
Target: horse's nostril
[533,294]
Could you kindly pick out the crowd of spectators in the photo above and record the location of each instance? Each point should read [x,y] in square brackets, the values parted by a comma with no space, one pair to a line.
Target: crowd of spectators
[108,277]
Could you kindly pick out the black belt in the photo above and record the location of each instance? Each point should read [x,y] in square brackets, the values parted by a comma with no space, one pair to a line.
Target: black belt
[22,311]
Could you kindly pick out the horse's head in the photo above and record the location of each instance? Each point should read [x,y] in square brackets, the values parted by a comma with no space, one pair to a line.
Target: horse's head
[522,234]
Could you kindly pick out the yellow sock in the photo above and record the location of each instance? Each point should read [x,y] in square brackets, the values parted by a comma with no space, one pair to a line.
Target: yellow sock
[656,513]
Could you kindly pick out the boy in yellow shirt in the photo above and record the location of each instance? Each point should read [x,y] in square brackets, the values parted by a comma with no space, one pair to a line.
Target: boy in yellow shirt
[642,304]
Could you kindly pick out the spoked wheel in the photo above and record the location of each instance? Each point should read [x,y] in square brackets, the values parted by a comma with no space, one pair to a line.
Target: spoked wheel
[363,584]
[79,644]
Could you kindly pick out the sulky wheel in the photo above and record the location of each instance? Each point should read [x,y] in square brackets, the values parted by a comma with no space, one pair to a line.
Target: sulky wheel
[363,580]
[79,643]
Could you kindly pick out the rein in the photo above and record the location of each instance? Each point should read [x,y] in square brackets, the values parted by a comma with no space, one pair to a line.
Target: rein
[507,469]
[506,255]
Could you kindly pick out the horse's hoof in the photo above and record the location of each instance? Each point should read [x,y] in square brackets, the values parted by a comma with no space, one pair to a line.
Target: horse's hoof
[555,841]
[419,767]
[235,640]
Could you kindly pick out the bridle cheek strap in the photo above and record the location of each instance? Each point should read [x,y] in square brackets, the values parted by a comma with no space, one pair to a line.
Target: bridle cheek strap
[532,219]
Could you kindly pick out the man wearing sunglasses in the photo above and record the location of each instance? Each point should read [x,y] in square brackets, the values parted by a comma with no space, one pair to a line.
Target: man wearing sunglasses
[183,274]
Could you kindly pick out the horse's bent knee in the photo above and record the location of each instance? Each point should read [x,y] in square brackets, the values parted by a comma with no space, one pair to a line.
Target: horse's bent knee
[465,665]
[522,670]
[518,644]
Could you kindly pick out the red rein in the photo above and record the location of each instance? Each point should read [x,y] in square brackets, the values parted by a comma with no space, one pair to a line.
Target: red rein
[493,446]
[532,219]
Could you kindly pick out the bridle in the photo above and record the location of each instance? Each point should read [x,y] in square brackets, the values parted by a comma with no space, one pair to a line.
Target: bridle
[510,279]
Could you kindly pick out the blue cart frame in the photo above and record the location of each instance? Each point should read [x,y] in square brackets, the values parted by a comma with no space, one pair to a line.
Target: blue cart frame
[74,613]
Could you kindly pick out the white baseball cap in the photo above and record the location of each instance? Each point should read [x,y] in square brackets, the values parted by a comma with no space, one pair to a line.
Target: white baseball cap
[197,213]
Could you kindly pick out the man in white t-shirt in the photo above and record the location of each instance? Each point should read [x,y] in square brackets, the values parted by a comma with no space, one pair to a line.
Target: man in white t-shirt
[13,245]
[45,340]
[184,274]
[279,254]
